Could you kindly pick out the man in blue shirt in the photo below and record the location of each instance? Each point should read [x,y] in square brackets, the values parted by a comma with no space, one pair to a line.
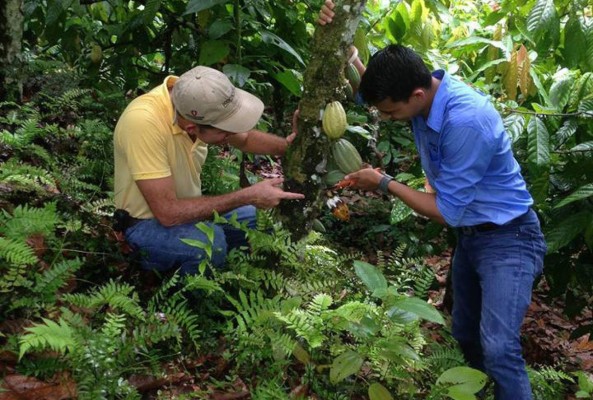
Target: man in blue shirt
[479,191]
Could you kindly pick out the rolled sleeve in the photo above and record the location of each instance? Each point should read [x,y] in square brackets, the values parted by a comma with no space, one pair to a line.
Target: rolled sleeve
[466,155]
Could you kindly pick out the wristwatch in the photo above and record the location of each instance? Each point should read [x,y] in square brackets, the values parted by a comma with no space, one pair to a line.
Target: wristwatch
[384,183]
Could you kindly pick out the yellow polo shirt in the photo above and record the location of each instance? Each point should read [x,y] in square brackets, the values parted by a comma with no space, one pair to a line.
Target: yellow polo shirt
[149,145]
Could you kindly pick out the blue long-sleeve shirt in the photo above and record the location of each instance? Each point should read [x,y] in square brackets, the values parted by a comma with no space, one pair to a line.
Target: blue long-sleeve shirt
[467,157]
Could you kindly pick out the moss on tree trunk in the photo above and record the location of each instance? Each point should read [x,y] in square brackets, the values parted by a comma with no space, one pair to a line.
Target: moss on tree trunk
[11,35]
[305,162]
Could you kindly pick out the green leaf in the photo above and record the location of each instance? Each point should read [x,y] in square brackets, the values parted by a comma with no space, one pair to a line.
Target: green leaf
[238,74]
[195,6]
[370,276]
[270,38]
[583,147]
[399,212]
[567,130]
[538,146]
[581,193]
[219,28]
[379,392]
[561,89]
[514,125]
[344,365]
[566,230]
[462,382]
[479,40]
[575,42]
[150,10]
[541,16]
[290,80]
[419,307]
[213,51]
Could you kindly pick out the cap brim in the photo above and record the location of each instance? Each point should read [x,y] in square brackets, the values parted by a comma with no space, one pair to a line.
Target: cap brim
[248,113]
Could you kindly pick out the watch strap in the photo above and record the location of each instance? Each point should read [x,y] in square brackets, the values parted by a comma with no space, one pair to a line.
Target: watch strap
[384,183]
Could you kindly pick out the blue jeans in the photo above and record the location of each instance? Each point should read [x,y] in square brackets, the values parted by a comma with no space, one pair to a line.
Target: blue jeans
[493,275]
[160,248]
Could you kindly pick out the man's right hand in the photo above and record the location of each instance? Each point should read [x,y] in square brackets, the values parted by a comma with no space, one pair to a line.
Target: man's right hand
[268,193]
[326,14]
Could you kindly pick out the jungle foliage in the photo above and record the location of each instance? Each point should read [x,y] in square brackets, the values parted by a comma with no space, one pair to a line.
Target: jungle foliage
[311,314]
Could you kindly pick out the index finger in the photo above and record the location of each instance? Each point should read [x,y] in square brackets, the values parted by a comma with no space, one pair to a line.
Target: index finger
[292,196]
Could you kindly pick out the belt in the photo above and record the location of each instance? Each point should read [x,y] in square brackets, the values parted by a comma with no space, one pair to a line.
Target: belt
[486,226]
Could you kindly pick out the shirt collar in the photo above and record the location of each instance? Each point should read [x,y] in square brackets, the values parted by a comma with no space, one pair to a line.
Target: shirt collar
[439,102]
[167,83]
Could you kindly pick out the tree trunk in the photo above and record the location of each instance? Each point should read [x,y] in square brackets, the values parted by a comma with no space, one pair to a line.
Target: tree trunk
[11,35]
[305,161]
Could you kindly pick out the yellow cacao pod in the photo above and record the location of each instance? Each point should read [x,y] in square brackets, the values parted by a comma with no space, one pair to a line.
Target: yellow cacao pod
[334,120]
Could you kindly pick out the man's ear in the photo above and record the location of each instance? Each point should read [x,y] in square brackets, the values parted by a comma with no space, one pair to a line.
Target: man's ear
[418,94]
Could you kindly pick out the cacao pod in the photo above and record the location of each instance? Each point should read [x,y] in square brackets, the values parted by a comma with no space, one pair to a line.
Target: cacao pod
[334,120]
[352,75]
[96,54]
[332,177]
[349,91]
[346,156]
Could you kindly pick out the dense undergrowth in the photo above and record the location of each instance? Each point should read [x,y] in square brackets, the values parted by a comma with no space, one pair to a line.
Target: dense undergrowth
[338,315]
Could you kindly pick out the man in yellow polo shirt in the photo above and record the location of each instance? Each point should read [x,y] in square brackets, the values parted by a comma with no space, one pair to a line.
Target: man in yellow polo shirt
[160,145]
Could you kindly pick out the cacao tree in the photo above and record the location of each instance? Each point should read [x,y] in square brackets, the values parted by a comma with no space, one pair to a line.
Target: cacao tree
[324,82]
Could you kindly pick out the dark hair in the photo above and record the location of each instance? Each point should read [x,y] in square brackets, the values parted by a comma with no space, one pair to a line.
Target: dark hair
[395,72]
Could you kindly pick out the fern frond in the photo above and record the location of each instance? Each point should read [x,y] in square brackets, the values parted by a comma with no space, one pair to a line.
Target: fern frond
[118,296]
[48,283]
[16,252]
[58,337]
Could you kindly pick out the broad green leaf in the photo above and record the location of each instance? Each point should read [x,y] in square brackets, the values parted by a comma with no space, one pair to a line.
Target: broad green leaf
[541,16]
[419,307]
[462,381]
[270,38]
[478,40]
[397,348]
[195,6]
[213,51]
[589,41]
[370,276]
[566,230]
[239,75]
[582,89]
[583,147]
[581,193]
[575,42]
[379,392]
[514,125]
[567,130]
[399,212]
[150,10]
[538,142]
[219,28]
[561,89]
[289,79]
[344,365]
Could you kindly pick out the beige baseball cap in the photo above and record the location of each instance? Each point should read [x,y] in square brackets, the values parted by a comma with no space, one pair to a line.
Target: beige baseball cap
[207,97]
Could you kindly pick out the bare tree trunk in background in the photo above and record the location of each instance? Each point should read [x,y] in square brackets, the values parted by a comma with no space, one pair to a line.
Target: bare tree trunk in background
[11,36]
[324,81]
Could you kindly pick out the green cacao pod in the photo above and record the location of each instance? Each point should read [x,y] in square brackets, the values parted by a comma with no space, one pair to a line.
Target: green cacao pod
[334,120]
[352,75]
[333,176]
[349,91]
[346,156]
[96,54]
